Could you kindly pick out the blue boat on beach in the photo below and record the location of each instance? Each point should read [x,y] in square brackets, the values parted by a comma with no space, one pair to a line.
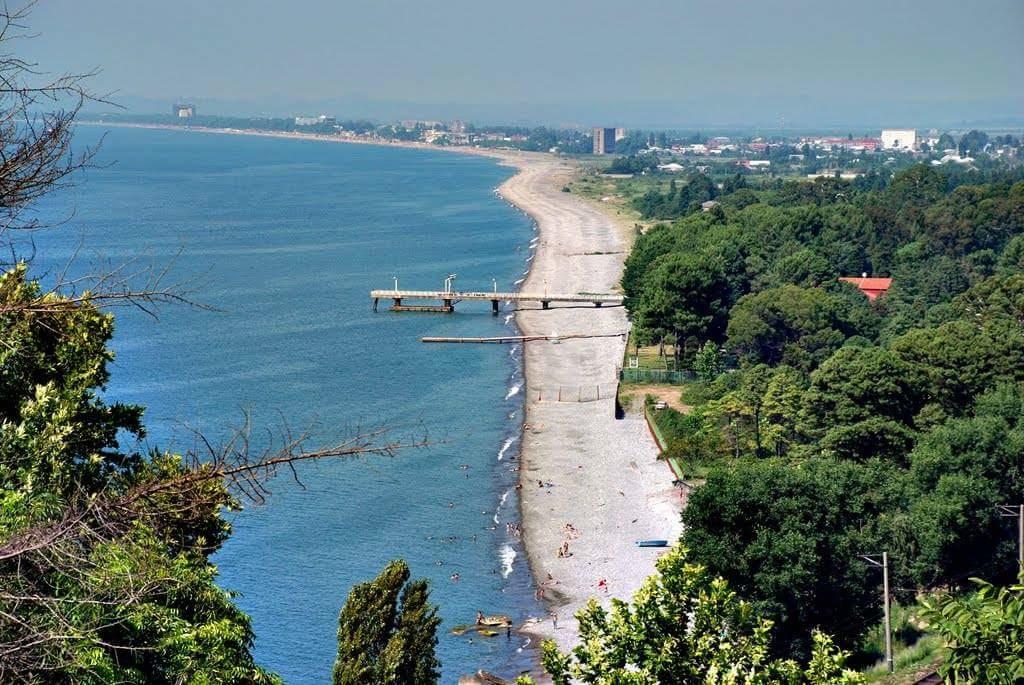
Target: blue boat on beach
[652,543]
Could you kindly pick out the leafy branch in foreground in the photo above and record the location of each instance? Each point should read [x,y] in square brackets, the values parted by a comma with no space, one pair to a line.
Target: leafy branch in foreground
[984,631]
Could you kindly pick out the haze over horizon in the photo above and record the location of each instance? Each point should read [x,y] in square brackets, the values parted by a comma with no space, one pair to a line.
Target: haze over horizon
[655,64]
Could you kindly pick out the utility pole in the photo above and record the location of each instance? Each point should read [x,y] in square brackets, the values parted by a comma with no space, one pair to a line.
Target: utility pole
[884,565]
[1011,511]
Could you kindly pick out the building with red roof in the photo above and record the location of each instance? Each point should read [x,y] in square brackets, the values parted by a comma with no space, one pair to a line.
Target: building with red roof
[872,287]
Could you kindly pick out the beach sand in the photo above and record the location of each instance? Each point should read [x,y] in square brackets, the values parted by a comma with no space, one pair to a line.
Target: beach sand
[604,475]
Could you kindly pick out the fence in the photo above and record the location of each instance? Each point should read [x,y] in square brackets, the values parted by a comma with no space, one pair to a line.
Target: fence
[572,393]
[655,376]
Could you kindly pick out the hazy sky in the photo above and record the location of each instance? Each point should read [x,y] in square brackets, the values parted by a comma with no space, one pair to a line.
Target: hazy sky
[666,62]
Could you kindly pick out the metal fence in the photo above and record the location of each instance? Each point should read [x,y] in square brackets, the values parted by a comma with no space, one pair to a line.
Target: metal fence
[572,393]
[655,376]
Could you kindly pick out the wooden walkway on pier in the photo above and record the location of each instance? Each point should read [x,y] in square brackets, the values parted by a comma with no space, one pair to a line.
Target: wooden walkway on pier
[448,299]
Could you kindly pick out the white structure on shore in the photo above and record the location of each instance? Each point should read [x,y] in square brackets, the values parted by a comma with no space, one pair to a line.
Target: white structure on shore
[184,111]
[315,121]
[899,139]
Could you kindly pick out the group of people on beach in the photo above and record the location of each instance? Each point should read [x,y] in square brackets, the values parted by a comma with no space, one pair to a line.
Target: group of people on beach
[514,529]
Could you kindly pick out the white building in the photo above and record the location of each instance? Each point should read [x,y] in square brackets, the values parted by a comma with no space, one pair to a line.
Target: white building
[899,139]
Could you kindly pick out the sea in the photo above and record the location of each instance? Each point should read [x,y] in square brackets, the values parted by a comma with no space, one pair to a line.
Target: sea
[277,243]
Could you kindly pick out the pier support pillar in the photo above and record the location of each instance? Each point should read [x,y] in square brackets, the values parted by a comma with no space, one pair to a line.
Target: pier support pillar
[398,301]
[597,304]
[448,306]
[544,304]
[375,304]
[494,307]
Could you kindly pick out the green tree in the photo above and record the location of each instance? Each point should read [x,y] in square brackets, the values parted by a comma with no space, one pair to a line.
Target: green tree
[787,537]
[973,142]
[387,632]
[685,296]
[685,626]
[957,471]
[790,325]
[963,359]
[862,403]
[707,363]
[781,403]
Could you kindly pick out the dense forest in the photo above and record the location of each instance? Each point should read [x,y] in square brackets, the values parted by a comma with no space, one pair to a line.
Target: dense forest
[850,426]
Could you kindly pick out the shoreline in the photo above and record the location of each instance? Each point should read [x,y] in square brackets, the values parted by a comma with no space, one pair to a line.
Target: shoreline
[316,137]
[604,474]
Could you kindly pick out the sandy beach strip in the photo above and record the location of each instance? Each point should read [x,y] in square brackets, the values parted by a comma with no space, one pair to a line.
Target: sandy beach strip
[604,476]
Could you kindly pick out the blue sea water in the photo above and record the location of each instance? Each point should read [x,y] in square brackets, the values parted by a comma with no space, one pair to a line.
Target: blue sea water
[284,239]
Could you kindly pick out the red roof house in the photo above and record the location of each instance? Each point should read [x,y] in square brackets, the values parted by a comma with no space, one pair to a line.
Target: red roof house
[872,287]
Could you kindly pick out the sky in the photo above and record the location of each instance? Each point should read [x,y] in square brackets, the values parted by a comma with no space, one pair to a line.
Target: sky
[642,62]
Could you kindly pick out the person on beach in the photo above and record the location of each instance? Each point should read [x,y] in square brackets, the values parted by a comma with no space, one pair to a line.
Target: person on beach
[554,620]
[602,585]
[565,549]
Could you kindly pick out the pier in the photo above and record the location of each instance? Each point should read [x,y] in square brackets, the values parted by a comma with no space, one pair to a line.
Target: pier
[449,298]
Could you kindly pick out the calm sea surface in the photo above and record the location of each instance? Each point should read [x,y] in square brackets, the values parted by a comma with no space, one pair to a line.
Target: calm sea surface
[285,238]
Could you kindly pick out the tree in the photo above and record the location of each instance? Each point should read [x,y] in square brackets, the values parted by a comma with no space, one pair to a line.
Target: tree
[685,296]
[957,471]
[781,404]
[685,626]
[787,537]
[862,403]
[973,142]
[707,363]
[387,632]
[963,359]
[984,632]
[790,325]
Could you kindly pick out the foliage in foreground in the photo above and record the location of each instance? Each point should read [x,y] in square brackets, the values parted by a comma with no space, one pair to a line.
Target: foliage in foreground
[685,626]
[985,633]
[387,632]
[105,572]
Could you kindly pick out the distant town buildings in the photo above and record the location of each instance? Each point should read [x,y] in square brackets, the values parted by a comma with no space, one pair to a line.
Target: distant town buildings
[899,139]
[184,111]
[604,141]
[315,121]
[620,133]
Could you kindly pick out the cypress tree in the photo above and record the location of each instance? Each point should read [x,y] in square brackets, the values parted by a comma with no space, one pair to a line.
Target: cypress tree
[382,641]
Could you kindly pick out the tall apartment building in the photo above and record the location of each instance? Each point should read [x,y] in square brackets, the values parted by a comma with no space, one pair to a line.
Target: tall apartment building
[604,141]
[899,139]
